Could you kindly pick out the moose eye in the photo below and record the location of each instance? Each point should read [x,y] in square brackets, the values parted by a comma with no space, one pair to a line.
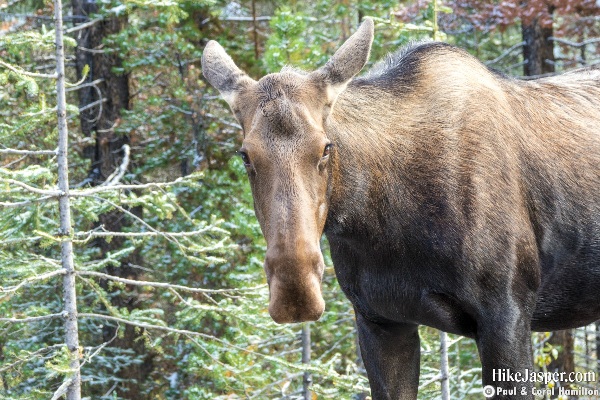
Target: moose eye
[327,150]
[244,157]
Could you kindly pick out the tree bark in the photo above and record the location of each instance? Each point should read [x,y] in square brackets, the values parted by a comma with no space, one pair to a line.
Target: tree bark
[105,157]
[73,390]
[565,361]
[307,378]
[538,51]
[444,368]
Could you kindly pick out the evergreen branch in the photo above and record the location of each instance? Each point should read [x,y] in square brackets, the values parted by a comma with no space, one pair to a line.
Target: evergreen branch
[30,356]
[26,73]
[298,367]
[34,189]
[26,202]
[275,383]
[102,346]
[18,240]
[95,234]
[132,215]
[34,319]
[27,281]
[145,325]
[99,189]
[167,285]
[28,152]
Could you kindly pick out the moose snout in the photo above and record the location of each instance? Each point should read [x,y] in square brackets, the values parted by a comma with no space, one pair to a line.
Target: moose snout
[295,285]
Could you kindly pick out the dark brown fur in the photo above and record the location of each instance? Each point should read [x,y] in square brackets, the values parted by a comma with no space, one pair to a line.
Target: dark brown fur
[453,197]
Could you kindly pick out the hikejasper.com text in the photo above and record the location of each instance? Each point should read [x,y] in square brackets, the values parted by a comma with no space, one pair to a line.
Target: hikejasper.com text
[506,375]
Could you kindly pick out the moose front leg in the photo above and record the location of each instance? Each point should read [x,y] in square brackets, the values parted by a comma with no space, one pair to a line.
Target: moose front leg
[391,354]
[504,343]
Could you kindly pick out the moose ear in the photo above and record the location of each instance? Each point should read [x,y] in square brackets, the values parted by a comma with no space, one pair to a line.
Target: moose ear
[221,72]
[348,60]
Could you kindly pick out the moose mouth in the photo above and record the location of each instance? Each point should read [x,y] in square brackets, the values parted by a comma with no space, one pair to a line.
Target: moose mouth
[298,301]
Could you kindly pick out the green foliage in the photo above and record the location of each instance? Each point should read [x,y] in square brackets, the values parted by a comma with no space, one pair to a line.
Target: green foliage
[226,345]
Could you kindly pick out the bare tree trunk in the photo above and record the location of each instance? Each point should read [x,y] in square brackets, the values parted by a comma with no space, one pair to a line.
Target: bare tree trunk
[444,369]
[598,347]
[565,361]
[106,155]
[70,295]
[538,51]
[307,378]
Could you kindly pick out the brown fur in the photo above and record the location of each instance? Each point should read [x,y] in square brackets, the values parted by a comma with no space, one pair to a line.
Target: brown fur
[453,197]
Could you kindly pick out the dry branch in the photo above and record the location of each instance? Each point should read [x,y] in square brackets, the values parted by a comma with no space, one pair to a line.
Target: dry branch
[99,189]
[168,285]
[33,319]
[26,73]
[34,189]
[31,279]
[28,152]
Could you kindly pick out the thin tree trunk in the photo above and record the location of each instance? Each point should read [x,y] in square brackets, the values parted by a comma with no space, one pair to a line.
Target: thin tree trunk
[70,295]
[444,369]
[538,51]
[307,378]
[565,361]
[106,155]
[598,347]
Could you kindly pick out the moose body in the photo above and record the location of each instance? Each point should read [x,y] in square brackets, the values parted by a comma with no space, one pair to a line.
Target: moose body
[451,196]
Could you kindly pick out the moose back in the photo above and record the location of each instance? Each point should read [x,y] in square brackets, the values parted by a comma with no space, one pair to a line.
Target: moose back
[451,196]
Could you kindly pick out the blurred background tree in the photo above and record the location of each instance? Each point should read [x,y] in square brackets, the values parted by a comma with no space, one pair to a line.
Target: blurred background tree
[141,114]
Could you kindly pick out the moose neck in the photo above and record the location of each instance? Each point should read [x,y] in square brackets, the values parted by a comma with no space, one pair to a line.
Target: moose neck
[372,136]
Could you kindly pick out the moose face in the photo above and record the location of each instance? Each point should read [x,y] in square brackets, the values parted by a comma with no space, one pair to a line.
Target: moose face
[289,158]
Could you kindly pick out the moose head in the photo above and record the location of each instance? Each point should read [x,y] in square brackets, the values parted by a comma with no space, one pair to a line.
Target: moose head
[290,163]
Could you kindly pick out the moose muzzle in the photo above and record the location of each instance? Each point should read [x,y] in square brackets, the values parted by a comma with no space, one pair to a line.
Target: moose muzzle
[294,279]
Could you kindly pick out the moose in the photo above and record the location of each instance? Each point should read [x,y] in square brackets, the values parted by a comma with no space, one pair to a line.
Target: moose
[451,196]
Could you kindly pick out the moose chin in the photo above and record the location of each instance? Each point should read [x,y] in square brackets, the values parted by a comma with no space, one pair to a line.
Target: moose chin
[451,196]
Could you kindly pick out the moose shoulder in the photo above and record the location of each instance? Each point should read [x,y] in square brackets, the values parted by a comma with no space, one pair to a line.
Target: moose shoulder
[451,196]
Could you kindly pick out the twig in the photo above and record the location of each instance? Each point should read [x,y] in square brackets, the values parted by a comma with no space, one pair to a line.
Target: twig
[116,176]
[132,215]
[103,345]
[246,19]
[84,85]
[93,104]
[167,285]
[87,192]
[34,319]
[84,25]
[221,120]
[18,160]
[574,44]
[96,234]
[30,356]
[25,202]
[34,189]
[28,152]
[505,53]
[26,73]
[27,281]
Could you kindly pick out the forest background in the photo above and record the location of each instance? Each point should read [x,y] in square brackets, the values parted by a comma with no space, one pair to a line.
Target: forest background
[167,254]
